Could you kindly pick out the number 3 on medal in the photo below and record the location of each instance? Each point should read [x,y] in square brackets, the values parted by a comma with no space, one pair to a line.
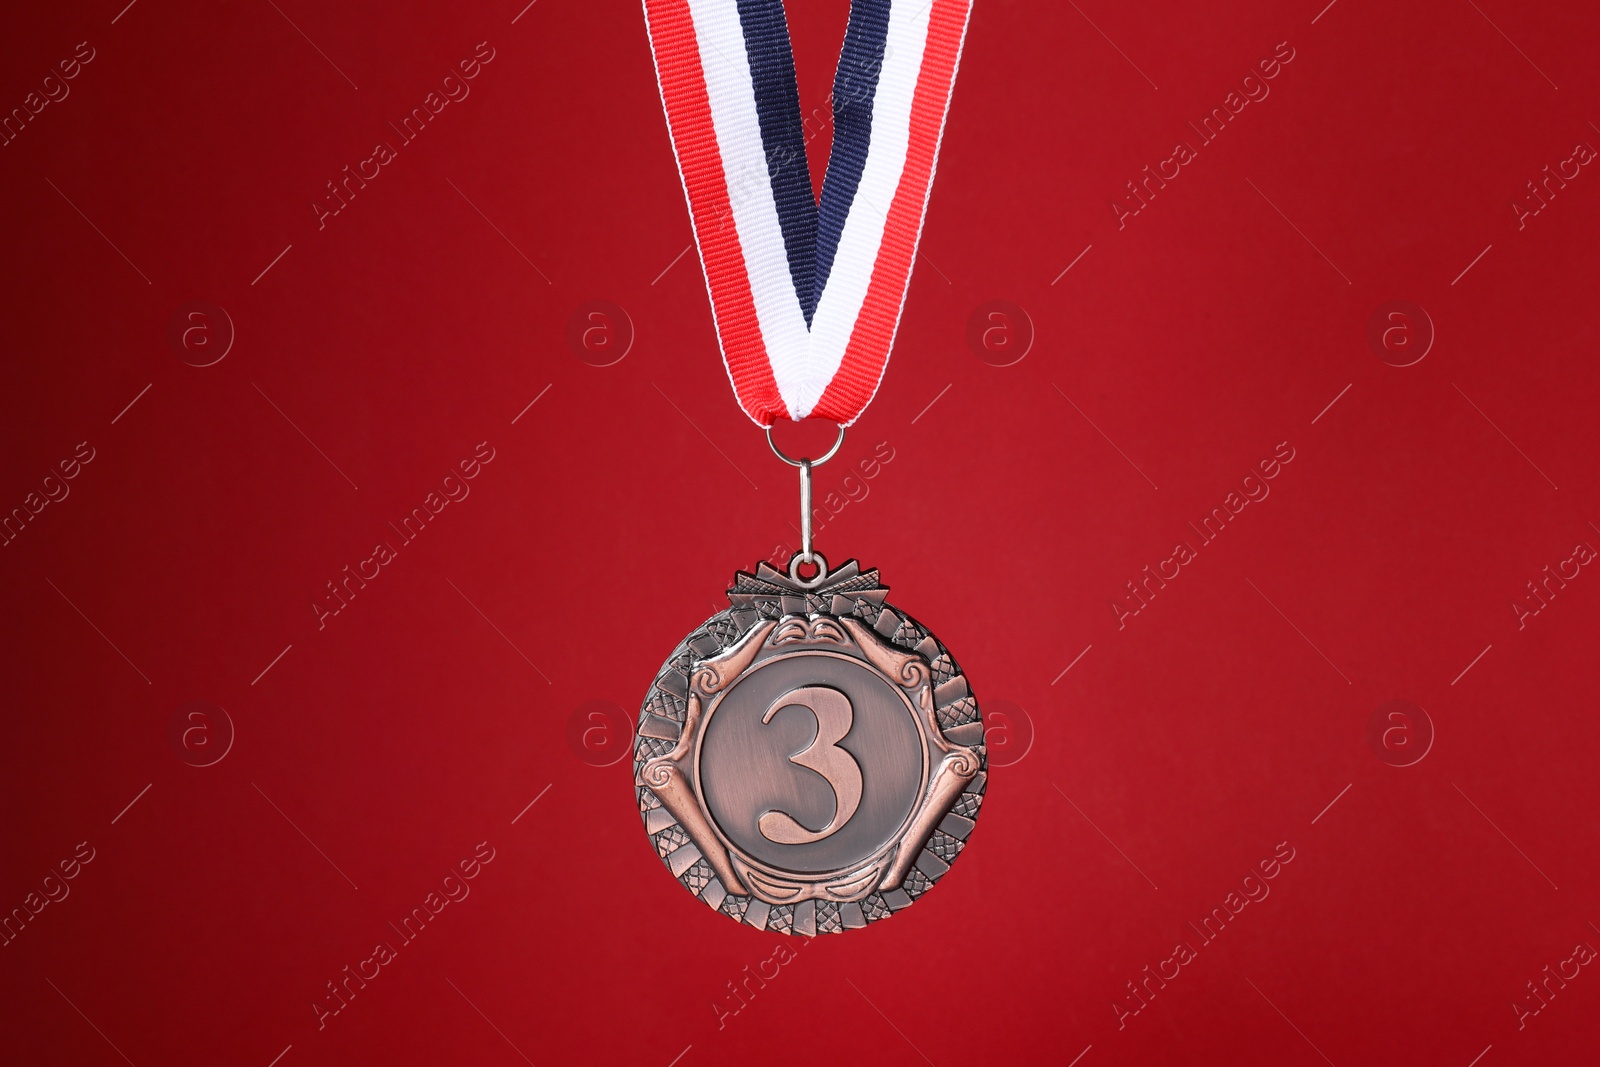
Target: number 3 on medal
[834,716]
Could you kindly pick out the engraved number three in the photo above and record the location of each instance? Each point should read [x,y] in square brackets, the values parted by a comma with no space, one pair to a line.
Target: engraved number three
[834,717]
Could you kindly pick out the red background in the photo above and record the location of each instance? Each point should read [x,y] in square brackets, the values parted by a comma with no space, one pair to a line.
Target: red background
[373,754]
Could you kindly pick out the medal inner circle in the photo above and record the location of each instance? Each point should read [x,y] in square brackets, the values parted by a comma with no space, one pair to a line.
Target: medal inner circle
[745,767]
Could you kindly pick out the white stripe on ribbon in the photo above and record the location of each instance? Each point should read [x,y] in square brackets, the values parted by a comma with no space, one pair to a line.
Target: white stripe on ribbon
[840,303]
[726,68]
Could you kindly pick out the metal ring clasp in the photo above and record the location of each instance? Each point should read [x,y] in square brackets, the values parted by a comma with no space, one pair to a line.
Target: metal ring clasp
[817,560]
[819,461]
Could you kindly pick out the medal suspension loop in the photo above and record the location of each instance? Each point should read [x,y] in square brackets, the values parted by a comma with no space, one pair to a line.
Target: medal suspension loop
[807,555]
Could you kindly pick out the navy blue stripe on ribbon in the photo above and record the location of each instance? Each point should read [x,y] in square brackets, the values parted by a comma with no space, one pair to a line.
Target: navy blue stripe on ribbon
[855,84]
[777,99]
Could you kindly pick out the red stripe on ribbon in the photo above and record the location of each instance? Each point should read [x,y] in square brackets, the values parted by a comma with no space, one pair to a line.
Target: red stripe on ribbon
[694,138]
[867,354]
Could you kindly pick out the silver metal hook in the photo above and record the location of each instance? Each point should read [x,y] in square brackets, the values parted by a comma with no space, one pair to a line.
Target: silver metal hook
[806,554]
[805,512]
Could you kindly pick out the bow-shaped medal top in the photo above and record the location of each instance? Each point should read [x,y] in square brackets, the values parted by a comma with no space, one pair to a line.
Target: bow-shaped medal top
[806,293]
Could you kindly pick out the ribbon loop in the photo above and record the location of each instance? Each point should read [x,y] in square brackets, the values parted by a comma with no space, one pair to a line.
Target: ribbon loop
[806,294]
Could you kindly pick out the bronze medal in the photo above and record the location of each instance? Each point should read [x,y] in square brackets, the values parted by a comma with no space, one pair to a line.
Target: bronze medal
[810,759]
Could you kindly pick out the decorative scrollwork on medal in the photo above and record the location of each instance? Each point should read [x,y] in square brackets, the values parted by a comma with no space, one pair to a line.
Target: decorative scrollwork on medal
[810,759]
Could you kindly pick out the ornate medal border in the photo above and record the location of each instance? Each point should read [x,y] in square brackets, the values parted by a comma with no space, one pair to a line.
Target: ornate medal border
[715,654]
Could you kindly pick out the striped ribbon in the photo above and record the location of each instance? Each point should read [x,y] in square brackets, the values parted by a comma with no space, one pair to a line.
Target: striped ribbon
[807,294]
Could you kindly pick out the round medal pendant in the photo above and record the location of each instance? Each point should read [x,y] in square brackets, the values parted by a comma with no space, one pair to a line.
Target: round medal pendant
[810,759]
